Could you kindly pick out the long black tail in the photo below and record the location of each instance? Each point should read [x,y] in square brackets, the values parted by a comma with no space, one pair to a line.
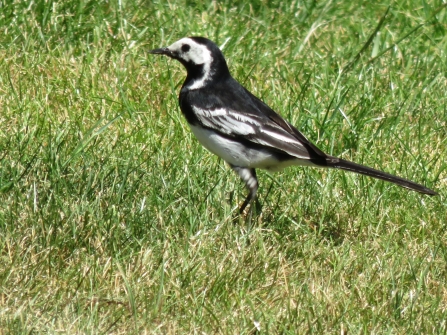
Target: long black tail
[338,163]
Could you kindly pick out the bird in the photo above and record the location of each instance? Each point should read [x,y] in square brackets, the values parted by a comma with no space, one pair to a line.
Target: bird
[245,132]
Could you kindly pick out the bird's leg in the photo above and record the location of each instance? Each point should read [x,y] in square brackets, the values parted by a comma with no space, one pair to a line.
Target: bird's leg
[251,182]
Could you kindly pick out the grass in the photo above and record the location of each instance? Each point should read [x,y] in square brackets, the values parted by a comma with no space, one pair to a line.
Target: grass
[114,220]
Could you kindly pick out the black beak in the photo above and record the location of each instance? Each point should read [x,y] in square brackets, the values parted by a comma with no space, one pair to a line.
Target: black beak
[161,51]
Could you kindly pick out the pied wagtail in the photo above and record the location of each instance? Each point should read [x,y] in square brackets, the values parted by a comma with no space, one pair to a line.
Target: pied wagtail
[241,129]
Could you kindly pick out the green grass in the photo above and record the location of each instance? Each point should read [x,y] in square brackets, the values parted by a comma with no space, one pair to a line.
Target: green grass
[114,220]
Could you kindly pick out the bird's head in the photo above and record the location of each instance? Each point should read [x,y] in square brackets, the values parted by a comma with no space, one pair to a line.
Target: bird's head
[202,59]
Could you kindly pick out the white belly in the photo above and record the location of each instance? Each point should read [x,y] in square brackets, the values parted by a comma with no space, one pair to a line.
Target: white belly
[237,154]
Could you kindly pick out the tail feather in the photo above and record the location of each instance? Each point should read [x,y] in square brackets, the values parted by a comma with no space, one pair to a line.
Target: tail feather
[338,163]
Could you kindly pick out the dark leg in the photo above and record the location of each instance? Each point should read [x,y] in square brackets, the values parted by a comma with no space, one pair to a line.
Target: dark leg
[251,182]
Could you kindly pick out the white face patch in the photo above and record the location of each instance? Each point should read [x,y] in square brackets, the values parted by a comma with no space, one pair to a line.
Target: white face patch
[193,52]
[196,53]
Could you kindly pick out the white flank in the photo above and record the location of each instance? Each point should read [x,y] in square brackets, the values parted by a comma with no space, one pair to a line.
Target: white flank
[232,151]
[237,154]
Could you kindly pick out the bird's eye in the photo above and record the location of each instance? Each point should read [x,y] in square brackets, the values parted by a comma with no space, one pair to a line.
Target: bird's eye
[185,47]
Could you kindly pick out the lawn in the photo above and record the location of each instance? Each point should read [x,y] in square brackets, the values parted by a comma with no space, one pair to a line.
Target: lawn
[114,220]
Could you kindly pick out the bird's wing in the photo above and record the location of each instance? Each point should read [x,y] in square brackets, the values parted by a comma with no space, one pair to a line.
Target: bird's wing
[239,113]
[286,126]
